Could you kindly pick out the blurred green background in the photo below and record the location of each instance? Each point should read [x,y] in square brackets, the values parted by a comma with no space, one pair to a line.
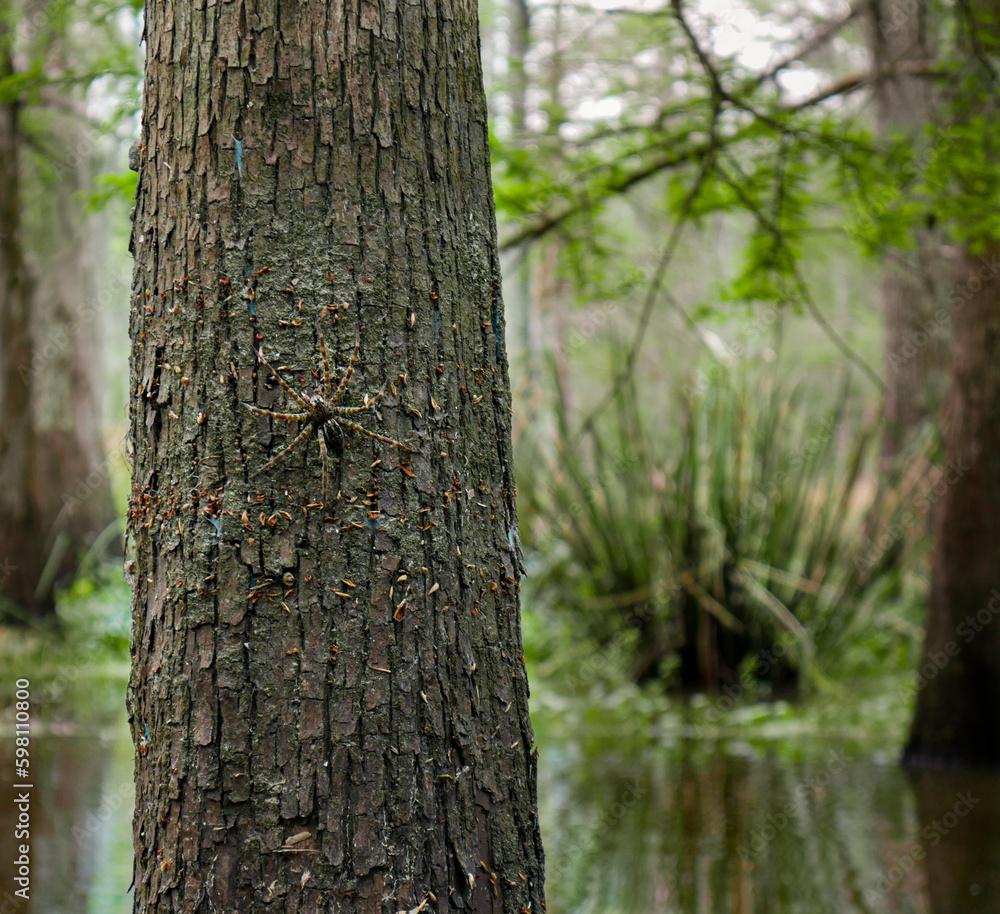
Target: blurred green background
[727,550]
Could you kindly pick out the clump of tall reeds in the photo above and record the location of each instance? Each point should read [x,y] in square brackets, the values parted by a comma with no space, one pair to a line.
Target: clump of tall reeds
[717,543]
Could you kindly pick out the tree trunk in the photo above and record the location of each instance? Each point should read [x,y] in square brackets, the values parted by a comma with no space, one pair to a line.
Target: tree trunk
[76,501]
[55,496]
[22,530]
[915,284]
[519,36]
[328,696]
[960,679]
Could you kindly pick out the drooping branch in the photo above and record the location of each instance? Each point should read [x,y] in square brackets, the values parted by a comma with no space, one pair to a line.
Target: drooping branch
[850,84]
[546,222]
[802,287]
[822,37]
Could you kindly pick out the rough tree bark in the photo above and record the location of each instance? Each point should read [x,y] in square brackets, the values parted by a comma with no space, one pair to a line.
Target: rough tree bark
[329,701]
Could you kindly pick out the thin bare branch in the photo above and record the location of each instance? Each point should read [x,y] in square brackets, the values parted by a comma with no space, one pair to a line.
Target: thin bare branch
[654,287]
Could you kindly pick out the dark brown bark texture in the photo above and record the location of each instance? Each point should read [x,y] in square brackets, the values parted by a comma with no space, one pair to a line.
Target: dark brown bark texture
[329,702]
[955,719]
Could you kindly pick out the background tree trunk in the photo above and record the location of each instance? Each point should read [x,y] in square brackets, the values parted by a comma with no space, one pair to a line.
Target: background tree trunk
[959,680]
[22,530]
[329,702]
[55,494]
[915,283]
[962,865]
[960,677]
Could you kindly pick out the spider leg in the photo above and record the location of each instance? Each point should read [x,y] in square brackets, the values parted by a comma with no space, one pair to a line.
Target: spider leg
[327,391]
[322,451]
[354,410]
[377,437]
[268,412]
[342,386]
[297,397]
[300,437]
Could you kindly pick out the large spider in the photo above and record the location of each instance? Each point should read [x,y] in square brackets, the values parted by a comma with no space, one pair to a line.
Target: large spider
[322,411]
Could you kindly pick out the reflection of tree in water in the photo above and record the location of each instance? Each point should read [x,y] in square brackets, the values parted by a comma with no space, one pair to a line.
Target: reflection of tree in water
[765,831]
[72,806]
[959,830]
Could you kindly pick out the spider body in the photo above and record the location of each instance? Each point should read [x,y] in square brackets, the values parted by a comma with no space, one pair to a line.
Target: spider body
[322,412]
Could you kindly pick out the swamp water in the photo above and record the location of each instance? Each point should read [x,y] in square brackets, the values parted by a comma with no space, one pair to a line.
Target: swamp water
[633,821]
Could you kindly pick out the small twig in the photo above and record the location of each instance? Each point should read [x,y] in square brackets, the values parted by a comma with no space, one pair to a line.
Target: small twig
[718,90]
[825,34]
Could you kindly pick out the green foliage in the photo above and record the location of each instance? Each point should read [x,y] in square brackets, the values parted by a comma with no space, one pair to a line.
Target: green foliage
[520,185]
[82,55]
[739,507]
[112,186]
[94,614]
[963,179]
[78,661]
[699,133]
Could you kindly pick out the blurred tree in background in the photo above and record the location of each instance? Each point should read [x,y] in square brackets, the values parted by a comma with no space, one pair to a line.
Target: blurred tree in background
[959,697]
[917,277]
[707,177]
[68,73]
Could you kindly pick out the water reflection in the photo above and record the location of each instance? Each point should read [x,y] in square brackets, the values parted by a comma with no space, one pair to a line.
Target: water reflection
[703,827]
[681,826]
[81,809]
[959,837]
